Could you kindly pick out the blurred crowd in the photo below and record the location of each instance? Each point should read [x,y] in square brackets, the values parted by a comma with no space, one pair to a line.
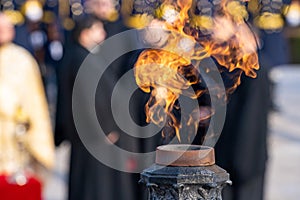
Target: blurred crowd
[39,61]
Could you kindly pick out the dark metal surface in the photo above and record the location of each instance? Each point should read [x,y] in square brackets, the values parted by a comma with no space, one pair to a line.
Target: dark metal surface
[184,183]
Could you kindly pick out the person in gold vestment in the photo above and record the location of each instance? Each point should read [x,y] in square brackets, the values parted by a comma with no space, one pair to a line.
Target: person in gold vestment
[25,128]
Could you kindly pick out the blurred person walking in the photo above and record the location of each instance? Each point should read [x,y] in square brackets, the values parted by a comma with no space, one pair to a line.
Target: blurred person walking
[26,141]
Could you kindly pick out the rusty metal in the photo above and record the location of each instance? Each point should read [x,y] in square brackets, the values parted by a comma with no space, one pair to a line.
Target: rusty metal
[183,155]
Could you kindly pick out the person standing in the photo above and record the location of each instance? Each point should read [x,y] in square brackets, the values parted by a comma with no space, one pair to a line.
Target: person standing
[89,179]
[25,128]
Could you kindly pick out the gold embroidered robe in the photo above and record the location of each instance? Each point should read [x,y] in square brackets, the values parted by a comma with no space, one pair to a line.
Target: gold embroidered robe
[21,88]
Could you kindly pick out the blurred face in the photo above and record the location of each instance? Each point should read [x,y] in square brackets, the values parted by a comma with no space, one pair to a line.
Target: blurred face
[93,36]
[103,8]
[7,31]
[97,33]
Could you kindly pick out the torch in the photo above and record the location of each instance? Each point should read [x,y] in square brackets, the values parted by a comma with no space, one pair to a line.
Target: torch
[184,33]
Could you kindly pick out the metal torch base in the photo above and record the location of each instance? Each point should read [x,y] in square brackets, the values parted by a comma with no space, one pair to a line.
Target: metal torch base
[184,183]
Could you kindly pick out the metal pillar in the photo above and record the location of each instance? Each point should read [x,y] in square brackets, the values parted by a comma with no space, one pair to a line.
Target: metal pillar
[185,182]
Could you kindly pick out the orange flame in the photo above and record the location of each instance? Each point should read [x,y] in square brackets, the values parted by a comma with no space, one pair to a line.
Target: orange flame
[163,73]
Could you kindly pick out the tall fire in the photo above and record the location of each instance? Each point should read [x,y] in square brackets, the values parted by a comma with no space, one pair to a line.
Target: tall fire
[185,37]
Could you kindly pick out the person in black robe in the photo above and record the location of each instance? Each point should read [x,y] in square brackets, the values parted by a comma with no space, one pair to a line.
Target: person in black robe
[81,162]
[242,147]
[89,178]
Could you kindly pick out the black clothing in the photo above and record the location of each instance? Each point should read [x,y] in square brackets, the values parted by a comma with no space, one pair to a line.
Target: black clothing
[242,147]
[90,179]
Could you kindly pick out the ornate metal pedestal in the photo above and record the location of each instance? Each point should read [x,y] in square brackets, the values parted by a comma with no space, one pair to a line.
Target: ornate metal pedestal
[185,182]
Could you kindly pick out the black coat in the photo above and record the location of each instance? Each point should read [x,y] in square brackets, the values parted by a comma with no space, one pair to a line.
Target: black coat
[90,179]
[242,146]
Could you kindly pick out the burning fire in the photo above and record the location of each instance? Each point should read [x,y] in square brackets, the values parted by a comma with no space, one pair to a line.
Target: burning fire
[168,73]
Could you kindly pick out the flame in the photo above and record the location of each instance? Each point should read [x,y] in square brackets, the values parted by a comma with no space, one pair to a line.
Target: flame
[168,73]
[234,47]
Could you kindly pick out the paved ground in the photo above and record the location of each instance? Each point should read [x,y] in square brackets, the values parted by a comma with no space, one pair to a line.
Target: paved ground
[56,185]
[283,177]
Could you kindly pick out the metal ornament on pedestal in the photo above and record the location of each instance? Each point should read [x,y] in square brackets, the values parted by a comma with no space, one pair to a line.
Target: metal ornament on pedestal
[184,172]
